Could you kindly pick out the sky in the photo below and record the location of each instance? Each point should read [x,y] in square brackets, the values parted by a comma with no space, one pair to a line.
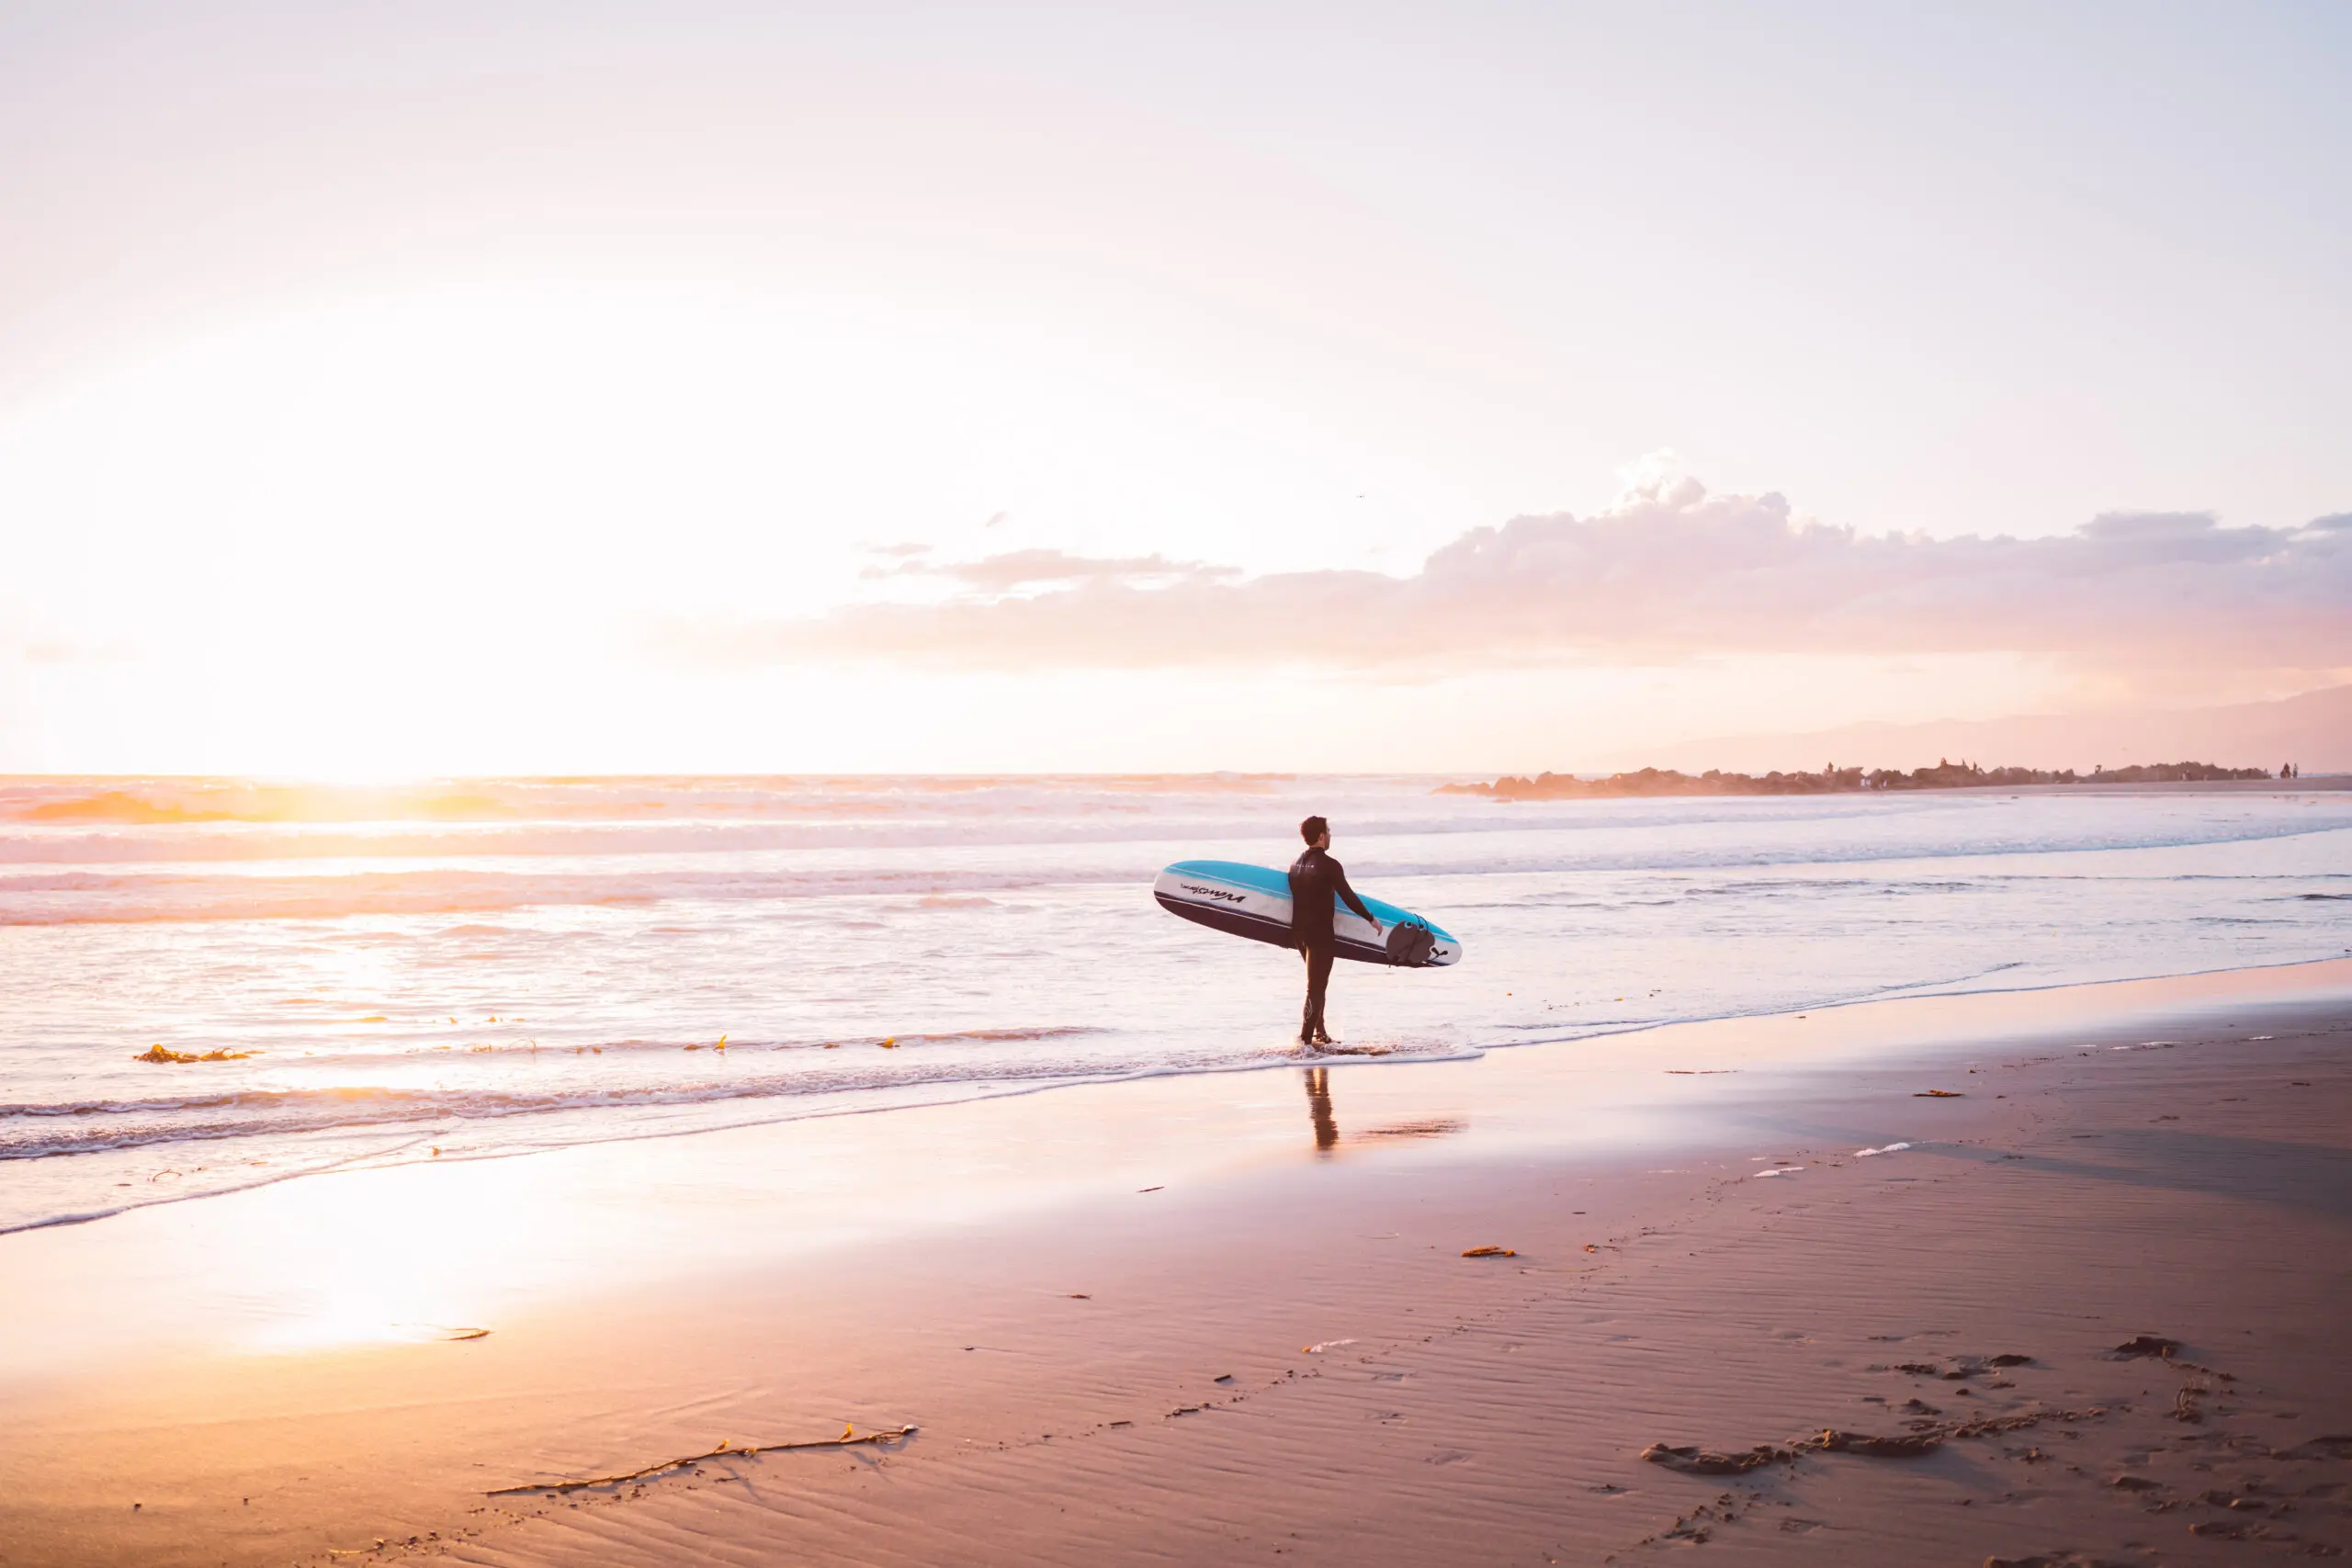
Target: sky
[442,388]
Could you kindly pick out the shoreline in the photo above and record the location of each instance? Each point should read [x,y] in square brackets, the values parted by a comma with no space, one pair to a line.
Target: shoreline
[295,1344]
[985,1091]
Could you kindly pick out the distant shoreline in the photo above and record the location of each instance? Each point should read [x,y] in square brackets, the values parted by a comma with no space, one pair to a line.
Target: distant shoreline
[1833,780]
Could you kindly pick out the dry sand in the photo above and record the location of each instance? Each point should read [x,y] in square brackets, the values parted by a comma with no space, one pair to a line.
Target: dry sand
[1098,1372]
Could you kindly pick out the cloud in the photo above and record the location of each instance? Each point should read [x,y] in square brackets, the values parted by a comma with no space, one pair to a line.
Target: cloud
[1668,574]
[1017,570]
[1026,569]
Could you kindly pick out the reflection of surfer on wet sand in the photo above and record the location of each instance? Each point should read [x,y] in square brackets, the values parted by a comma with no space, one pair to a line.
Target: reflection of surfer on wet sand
[1319,1108]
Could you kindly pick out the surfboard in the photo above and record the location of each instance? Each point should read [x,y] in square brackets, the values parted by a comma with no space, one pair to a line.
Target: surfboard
[1254,902]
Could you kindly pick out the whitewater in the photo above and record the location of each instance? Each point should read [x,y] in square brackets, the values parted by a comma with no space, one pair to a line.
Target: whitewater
[484,967]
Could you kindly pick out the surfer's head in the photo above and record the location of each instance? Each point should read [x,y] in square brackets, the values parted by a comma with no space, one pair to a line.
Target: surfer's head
[1315,831]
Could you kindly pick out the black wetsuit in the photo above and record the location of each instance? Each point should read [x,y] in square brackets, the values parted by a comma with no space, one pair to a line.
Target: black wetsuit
[1316,882]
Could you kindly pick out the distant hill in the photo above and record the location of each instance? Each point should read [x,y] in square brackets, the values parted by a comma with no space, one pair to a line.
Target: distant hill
[1844,781]
[2314,730]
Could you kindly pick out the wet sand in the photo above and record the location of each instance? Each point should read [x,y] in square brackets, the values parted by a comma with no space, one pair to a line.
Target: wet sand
[1228,1317]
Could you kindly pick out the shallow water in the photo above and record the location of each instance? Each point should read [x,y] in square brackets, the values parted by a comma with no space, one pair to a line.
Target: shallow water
[495,965]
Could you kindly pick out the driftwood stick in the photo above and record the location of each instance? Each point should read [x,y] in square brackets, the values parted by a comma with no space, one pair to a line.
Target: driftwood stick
[850,1437]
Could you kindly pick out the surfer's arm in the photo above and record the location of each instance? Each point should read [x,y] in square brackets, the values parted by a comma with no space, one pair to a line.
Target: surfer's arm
[1348,895]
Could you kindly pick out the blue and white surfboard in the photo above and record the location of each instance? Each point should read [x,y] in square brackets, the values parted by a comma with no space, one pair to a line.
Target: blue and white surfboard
[1254,902]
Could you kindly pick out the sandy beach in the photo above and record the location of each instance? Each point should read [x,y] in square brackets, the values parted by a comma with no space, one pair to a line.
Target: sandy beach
[1229,1316]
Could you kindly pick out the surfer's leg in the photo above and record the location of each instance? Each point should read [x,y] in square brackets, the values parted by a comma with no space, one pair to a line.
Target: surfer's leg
[1306,1014]
[1319,978]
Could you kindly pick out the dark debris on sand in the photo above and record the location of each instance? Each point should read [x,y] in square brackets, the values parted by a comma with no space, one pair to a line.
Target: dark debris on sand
[2274,1496]
[1924,1439]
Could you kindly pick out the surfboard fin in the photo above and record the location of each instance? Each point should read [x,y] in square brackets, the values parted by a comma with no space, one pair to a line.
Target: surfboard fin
[1410,944]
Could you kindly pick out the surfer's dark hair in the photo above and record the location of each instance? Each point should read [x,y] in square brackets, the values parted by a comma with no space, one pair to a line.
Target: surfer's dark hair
[1313,828]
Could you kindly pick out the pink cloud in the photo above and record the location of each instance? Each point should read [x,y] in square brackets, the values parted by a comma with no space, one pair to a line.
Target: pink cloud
[1668,575]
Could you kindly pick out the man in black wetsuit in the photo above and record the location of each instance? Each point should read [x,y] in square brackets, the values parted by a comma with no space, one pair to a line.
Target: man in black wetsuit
[1315,882]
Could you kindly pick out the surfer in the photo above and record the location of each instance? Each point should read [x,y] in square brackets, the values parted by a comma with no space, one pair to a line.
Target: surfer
[1317,881]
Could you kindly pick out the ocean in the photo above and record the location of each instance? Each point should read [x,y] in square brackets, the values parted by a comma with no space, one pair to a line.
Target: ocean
[484,967]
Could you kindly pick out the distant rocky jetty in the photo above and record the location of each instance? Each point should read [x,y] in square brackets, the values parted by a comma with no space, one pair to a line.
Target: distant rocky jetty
[1835,779]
